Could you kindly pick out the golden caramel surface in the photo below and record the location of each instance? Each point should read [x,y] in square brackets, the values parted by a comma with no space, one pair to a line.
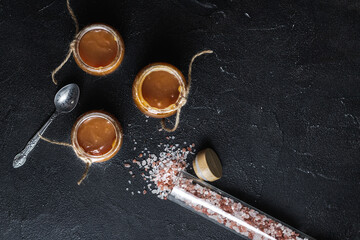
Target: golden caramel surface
[160,89]
[96,136]
[98,48]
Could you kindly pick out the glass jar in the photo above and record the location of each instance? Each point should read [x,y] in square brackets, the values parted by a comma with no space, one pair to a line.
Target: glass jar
[98,49]
[229,212]
[96,136]
[159,90]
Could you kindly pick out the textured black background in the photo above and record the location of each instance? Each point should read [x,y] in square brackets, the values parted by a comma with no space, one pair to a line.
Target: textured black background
[279,102]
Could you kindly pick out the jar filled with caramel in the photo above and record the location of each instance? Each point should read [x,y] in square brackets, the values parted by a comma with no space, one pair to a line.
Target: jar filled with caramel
[96,136]
[98,49]
[159,90]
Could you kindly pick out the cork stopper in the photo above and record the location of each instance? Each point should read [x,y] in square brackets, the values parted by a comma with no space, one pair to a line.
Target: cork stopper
[207,165]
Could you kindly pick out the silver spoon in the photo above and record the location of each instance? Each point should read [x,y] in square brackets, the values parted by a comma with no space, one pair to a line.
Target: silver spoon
[65,101]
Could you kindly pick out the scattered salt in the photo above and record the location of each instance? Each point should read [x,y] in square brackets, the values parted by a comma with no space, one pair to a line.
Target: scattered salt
[159,170]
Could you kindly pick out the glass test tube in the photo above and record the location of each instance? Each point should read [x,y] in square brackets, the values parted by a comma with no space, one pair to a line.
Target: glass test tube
[230,212]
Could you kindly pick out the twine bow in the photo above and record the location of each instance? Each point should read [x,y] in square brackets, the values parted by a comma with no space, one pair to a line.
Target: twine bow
[72,44]
[186,94]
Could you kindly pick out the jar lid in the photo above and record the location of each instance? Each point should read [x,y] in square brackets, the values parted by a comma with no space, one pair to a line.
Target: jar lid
[207,165]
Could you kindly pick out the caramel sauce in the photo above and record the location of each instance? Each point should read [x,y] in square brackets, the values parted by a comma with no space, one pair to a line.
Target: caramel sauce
[160,89]
[98,48]
[96,136]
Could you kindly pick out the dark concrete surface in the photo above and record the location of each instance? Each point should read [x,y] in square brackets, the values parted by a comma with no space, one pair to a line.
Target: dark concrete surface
[278,101]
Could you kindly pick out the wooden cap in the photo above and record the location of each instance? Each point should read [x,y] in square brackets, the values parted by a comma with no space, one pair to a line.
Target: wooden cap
[207,165]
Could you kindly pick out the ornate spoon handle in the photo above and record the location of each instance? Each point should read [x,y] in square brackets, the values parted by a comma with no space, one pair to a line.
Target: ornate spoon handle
[20,158]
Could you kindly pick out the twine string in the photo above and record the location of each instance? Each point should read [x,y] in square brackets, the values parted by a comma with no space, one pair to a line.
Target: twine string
[71,49]
[177,120]
[88,165]
[185,95]
[73,16]
[86,160]
[72,44]
[55,142]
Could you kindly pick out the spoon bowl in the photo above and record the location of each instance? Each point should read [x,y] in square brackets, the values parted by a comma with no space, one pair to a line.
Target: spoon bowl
[67,98]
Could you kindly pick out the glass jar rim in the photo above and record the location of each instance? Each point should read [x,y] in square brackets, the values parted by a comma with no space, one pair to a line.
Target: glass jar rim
[118,139]
[112,31]
[160,66]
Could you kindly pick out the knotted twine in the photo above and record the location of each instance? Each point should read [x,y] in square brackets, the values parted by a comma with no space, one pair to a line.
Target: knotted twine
[86,160]
[72,44]
[185,95]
